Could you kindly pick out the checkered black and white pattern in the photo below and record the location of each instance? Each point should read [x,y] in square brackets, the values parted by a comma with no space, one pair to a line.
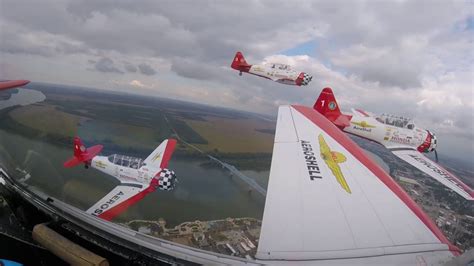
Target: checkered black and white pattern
[434,143]
[306,79]
[167,180]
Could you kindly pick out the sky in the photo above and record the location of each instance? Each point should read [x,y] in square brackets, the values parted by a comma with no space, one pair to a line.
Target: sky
[410,58]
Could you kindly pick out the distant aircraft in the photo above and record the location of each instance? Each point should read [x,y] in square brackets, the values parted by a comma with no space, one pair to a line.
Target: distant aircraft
[329,203]
[277,72]
[137,177]
[10,84]
[398,134]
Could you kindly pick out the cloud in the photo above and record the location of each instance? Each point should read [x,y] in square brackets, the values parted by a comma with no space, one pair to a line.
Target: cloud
[129,67]
[191,69]
[404,57]
[17,39]
[106,65]
[137,83]
[391,66]
[146,69]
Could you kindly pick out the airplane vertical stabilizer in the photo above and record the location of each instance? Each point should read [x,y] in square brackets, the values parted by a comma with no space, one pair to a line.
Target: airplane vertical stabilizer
[326,105]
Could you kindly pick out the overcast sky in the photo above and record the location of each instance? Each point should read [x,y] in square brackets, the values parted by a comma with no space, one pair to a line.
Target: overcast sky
[412,58]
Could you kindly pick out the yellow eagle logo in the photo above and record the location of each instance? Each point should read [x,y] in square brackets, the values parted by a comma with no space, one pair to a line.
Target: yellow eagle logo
[156,157]
[332,160]
[363,124]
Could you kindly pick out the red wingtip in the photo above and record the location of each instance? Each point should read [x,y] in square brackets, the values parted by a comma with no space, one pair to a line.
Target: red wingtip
[10,84]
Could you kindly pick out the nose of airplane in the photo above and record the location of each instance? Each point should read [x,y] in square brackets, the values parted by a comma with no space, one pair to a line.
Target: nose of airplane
[167,180]
[303,79]
[434,141]
[306,79]
[430,143]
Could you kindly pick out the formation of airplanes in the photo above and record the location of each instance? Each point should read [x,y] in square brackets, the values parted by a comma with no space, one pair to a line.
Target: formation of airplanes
[327,201]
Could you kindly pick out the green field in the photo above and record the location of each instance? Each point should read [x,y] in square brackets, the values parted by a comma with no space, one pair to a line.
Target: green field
[46,118]
[136,126]
[234,135]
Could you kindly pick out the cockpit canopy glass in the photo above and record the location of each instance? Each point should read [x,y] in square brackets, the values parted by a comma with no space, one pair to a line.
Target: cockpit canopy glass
[126,161]
[397,121]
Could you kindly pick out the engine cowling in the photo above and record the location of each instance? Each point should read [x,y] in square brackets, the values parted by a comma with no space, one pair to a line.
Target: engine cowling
[166,180]
[303,79]
[429,144]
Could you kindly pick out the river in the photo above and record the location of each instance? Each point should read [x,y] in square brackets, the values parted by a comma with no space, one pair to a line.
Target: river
[201,194]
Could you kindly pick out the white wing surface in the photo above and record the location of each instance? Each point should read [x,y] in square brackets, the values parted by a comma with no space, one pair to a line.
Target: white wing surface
[119,199]
[434,170]
[160,157]
[327,201]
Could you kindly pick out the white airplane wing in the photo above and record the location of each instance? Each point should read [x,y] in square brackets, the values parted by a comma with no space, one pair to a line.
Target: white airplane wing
[160,157]
[329,203]
[119,199]
[360,112]
[434,170]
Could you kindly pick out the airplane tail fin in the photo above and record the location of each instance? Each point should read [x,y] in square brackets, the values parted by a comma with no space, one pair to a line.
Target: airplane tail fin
[239,63]
[326,105]
[82,154]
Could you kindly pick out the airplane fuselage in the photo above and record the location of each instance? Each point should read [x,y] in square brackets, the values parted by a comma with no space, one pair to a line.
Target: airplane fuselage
[277,74]
[389,135]
[280,73]
[125,174]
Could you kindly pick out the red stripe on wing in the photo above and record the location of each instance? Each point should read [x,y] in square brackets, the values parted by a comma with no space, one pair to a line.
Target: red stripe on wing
[170,146]
[121,207]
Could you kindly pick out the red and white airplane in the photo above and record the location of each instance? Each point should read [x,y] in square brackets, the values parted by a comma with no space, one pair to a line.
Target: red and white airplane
[277,72]
[398,134]
[10,84]
[329,203]
[137,177]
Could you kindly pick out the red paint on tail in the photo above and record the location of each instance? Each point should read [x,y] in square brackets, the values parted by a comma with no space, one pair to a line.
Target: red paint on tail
[239,63]
[326,105]
[82,154]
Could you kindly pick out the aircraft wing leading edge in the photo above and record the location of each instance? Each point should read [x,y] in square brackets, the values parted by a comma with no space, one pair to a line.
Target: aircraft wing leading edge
[327,200]
[422,163]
